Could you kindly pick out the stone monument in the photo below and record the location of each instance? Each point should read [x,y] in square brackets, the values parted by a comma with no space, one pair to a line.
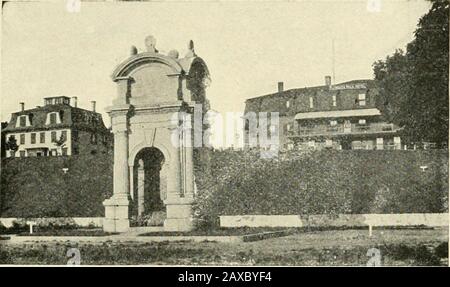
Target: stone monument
[151,88]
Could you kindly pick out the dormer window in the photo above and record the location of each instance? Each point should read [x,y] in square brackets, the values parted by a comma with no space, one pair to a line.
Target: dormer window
[288,104]
[334,101]
[23,121]
[362,122]
[53,118]
[311,102]
[333,123]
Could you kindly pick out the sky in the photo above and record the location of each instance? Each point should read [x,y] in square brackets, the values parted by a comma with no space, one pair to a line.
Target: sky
[248,46]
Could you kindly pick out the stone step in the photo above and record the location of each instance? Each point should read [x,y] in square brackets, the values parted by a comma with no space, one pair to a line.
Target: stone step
[145,229]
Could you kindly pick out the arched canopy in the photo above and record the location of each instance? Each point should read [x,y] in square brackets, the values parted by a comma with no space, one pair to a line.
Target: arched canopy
[125,68]
[142,145]
[178,66]
[150,155]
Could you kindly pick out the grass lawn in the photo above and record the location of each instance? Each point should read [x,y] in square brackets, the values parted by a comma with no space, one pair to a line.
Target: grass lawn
[219,231]
[313,248]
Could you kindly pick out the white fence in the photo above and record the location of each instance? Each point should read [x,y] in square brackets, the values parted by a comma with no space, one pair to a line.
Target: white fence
[349,220]
[404,219]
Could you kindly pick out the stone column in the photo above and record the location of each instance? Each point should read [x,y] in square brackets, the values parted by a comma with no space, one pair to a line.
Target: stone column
[131,173]
[120,164]
[116,207]
[163,182]
[179,209]
[189,168]
[140,188]
[123,90]
[174,172]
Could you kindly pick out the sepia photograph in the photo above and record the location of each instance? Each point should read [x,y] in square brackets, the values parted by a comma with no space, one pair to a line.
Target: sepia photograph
[224,134]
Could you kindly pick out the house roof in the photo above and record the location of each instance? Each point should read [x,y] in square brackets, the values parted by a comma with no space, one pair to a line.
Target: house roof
[345,94]
[72,117]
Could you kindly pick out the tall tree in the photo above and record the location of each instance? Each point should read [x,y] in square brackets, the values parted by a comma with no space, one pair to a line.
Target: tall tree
[414,85]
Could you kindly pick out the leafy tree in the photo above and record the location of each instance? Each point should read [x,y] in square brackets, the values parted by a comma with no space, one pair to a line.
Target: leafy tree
[11,144]
[414,85]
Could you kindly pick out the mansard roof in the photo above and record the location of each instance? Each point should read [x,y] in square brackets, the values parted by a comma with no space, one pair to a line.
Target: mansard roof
[72,117]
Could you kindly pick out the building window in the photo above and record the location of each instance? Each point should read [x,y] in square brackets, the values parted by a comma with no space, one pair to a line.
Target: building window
[42,137]
[33,138]
[53,137]
[328,142]
[64,135]
[362,122]
[64,151]
[362,99]
[333,123]
[22,139]
[22,153]
[311,102]
[52,118]
[23,121]
[53,152]
[334,101]
[288,104]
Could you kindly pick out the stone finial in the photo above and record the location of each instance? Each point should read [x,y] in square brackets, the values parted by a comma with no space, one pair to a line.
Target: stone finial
[173,54]
[133,51]
[191,52]
[150,42]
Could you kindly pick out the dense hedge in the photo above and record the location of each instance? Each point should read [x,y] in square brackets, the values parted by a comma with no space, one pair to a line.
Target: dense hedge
[321,182]
[38,186]
[238,183]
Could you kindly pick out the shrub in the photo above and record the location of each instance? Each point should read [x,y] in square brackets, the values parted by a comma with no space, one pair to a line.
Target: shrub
[323,182]
[38,187]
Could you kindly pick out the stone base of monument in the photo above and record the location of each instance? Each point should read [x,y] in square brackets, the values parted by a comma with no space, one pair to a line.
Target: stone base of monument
[179,214]
[116,215]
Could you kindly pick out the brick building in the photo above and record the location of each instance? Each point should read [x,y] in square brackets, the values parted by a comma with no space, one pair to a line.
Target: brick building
[57,128]
[341,116]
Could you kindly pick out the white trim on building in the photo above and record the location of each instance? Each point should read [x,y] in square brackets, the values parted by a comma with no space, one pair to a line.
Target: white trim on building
[338,114]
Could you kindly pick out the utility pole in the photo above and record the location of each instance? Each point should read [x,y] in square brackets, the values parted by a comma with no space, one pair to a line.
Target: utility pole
[332,61]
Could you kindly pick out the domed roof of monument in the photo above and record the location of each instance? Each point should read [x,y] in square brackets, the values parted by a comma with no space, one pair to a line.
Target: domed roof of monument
[178,66]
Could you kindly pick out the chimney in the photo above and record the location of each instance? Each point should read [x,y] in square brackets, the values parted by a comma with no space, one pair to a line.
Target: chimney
[328,81]
[93,106]
[280,87]
[74,102]
[22,106]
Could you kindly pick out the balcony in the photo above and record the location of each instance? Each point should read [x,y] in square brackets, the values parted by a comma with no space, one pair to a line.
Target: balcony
[341,129]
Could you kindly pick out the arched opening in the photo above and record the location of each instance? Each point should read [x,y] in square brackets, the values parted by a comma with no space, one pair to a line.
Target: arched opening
[149,190]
